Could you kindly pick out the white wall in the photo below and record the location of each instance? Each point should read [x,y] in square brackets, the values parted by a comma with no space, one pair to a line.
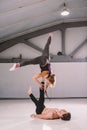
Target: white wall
[71,77]
[71,80]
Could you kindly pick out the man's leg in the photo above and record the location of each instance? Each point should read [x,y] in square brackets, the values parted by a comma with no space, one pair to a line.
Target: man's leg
[32,97]
[41,106]
[41,98]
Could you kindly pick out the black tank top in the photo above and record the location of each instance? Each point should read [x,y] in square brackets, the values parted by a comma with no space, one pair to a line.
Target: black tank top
[47,67]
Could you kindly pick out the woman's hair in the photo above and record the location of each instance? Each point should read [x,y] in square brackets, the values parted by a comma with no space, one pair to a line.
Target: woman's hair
[52,80]
[66,116]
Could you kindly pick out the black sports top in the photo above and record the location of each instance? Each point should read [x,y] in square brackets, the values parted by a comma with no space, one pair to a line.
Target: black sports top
[47,67]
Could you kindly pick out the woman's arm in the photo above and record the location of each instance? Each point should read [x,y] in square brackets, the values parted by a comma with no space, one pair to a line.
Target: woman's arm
[45,91]
[47,85]
[36,77]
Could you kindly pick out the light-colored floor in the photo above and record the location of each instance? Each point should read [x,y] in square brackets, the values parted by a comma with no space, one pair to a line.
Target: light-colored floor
[15,115]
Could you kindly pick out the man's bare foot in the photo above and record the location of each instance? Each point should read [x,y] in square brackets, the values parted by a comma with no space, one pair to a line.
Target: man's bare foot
[29,90]
[50,35]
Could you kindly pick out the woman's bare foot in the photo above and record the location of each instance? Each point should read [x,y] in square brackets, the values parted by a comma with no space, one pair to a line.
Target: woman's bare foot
[15,66]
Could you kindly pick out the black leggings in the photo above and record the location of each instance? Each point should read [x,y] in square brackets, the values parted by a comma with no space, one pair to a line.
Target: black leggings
[39,103]
[41,60]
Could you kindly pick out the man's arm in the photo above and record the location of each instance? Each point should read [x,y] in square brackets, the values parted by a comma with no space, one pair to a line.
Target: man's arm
[43,116]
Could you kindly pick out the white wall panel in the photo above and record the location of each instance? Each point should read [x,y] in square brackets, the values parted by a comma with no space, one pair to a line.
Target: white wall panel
[71,80]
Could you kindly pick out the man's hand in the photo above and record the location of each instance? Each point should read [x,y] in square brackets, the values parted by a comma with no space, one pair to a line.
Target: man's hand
[33,115]
[41,86]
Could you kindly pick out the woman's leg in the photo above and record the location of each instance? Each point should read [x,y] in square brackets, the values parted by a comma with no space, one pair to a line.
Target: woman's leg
[41,60]
[34,61]
[38,60]
[46,48]
[45,54]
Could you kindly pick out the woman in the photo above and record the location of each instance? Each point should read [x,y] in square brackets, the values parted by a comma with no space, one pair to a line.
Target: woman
[44,64]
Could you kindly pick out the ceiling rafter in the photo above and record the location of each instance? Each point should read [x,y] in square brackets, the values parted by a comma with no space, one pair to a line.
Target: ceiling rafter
[7,45]
[24,39]
[39,32]
[78,48]
[32,45]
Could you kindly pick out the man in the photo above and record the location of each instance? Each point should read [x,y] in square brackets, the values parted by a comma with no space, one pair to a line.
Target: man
[47,113]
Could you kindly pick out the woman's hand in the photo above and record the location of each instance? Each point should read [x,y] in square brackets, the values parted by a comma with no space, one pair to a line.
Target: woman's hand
[45,92]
